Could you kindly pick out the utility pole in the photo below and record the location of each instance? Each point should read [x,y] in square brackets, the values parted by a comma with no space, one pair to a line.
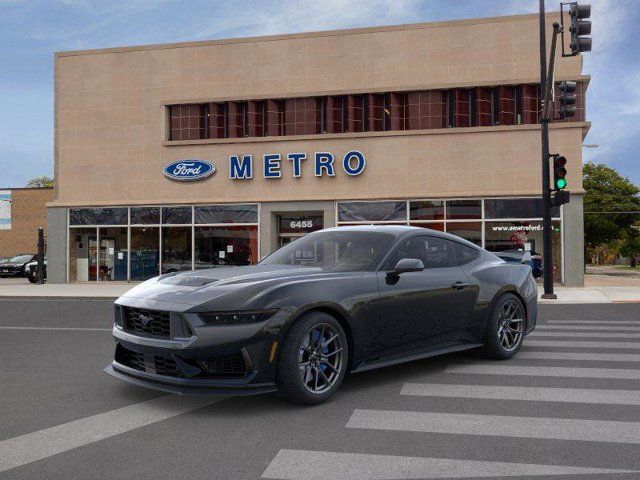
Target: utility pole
[547,254]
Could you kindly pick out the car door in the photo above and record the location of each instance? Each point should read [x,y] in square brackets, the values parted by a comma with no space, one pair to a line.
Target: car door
[426,308]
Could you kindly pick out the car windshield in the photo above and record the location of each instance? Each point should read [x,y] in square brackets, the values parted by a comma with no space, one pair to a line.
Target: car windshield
[21,258]
[335,250]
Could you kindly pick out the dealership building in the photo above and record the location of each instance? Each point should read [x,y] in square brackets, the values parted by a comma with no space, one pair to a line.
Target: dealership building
[204,154]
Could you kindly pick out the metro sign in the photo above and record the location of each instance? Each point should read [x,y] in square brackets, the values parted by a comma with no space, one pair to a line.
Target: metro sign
[241,167]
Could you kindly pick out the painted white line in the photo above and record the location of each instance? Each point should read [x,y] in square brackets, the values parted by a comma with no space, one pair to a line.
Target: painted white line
[534,394]
[603,335]
[581,344]
[594,322]
[313,465]
[71,329]
[517,370]
[603,357]
[497,426]
[588,328]
[35,446]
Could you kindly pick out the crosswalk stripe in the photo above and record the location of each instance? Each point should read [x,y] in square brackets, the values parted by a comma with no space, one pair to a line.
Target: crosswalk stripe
[588,328]
[594,322]
[607,335]
[498,426]
[518,370]
[565,395]
[604,357]
[314,465]
[580,344]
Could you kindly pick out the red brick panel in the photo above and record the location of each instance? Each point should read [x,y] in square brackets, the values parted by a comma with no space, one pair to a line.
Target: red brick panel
[187,121]
[217,120]
[28,212]
[275,117]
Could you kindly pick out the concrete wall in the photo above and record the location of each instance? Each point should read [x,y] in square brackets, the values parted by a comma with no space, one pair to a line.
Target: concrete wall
[57,245]
[28,212]
[573,237]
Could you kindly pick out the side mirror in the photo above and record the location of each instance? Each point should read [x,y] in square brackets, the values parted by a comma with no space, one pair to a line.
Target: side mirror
[408,265]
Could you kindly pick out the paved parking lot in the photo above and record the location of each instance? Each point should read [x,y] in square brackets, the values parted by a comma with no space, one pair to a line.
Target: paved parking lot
[568,405]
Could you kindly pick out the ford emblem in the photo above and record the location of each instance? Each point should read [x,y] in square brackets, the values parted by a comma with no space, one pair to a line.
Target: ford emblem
[186,170]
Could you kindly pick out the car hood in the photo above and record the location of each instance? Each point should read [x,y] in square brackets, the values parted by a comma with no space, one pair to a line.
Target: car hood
[12,265]
[196,287]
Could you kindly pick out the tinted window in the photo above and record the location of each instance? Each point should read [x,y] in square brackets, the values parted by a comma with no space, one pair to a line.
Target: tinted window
[227,214]
[339,251]
[176,215]
[98,216]
[426,210]
[434,252]
[465,254]
[463,209]
[145,215]
[516,208]
[372,211]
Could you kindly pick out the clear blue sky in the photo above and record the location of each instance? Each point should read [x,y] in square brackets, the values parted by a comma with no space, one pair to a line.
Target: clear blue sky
[31,30]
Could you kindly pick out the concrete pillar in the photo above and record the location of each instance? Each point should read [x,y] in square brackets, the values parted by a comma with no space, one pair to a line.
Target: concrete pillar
[57,245]
[573,240]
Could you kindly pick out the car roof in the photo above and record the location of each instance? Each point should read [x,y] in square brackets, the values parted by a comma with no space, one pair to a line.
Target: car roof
[401,230]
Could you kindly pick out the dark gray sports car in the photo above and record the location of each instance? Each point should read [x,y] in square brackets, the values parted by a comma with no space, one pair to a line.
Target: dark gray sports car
[338,300]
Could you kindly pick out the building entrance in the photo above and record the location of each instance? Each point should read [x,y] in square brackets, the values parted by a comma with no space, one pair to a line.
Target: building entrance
[292,226]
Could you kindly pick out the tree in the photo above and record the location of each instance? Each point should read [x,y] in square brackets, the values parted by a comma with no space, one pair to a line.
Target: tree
[40,182]
[608,201]
[631,247]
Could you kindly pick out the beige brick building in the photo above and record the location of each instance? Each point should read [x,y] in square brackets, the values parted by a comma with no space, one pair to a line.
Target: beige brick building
[28,212]
[430,124]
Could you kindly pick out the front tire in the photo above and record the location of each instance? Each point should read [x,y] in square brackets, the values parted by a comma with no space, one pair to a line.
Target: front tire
[505,328]
[32,278]
[313,359]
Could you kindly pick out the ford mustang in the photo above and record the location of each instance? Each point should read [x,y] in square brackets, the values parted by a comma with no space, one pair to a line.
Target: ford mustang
[336,301]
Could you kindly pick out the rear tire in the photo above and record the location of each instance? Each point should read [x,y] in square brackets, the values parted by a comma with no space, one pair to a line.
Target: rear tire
[310,370]
[505,328]
[32,278]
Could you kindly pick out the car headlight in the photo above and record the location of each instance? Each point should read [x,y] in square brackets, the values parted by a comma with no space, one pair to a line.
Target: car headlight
[236,318]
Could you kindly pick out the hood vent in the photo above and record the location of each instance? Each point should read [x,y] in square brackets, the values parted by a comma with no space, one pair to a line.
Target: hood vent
[188,281]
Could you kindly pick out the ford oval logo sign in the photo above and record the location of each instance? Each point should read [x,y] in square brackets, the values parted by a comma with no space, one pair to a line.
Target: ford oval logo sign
[187,170]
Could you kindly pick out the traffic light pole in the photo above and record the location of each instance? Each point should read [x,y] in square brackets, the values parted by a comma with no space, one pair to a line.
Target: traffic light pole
[547,254]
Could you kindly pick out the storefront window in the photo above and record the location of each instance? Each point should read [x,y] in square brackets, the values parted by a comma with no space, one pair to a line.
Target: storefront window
[83,259]
[471,231]
[524,236]
[464,209]
[372,211]
[176,249]
[226,214]
[226,246]
[112,256]
[176,215]
[145,215]
[98,216]
[145,252]
[426,210]
[516,208]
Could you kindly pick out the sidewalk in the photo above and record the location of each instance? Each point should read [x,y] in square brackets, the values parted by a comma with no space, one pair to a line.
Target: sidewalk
[74,290]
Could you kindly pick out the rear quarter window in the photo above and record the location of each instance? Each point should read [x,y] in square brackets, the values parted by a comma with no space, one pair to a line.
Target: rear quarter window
[465,254]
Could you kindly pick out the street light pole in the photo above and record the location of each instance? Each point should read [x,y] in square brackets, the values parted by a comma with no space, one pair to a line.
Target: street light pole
[547,255]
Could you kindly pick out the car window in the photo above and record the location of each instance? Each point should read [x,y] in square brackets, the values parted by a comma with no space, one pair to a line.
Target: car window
[433,251]
[465,254]
[21,258]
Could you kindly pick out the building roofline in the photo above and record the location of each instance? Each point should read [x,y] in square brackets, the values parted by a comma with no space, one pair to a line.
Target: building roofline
[314,34]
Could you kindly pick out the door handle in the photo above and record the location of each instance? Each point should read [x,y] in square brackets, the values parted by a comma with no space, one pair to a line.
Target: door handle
[459,285]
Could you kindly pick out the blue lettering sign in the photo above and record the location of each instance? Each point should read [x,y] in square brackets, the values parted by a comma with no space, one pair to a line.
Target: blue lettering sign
[296,158]
[272,165]
[324,161]
[189,170]
[353,163]
[239,169]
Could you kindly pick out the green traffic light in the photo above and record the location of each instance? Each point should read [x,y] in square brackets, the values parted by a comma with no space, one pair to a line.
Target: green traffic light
[561,183]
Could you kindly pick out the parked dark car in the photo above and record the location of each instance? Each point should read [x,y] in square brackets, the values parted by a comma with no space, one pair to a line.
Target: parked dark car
[339,300]
[31,270]
[533,259]
[14,267]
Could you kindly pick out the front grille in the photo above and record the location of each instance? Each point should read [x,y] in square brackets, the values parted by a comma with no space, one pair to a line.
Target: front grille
[147,323]
[231,366]
[167,367]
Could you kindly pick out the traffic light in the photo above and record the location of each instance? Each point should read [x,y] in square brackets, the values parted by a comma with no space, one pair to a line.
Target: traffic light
[559,172]
[567,99]
[580,27]
[560,198]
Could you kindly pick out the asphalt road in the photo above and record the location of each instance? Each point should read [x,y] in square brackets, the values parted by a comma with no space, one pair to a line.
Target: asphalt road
[567,407]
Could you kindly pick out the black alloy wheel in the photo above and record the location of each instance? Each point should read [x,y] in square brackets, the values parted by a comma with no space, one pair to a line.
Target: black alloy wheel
[505,328]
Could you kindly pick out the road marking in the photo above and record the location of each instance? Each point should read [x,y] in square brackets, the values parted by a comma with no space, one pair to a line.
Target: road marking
[35,446]
[497,426]
[495,369]
[590,328]
[313,465]
[59,328]
[580,344]
[594,322]
[604,357]
[607,335]
[564,395]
